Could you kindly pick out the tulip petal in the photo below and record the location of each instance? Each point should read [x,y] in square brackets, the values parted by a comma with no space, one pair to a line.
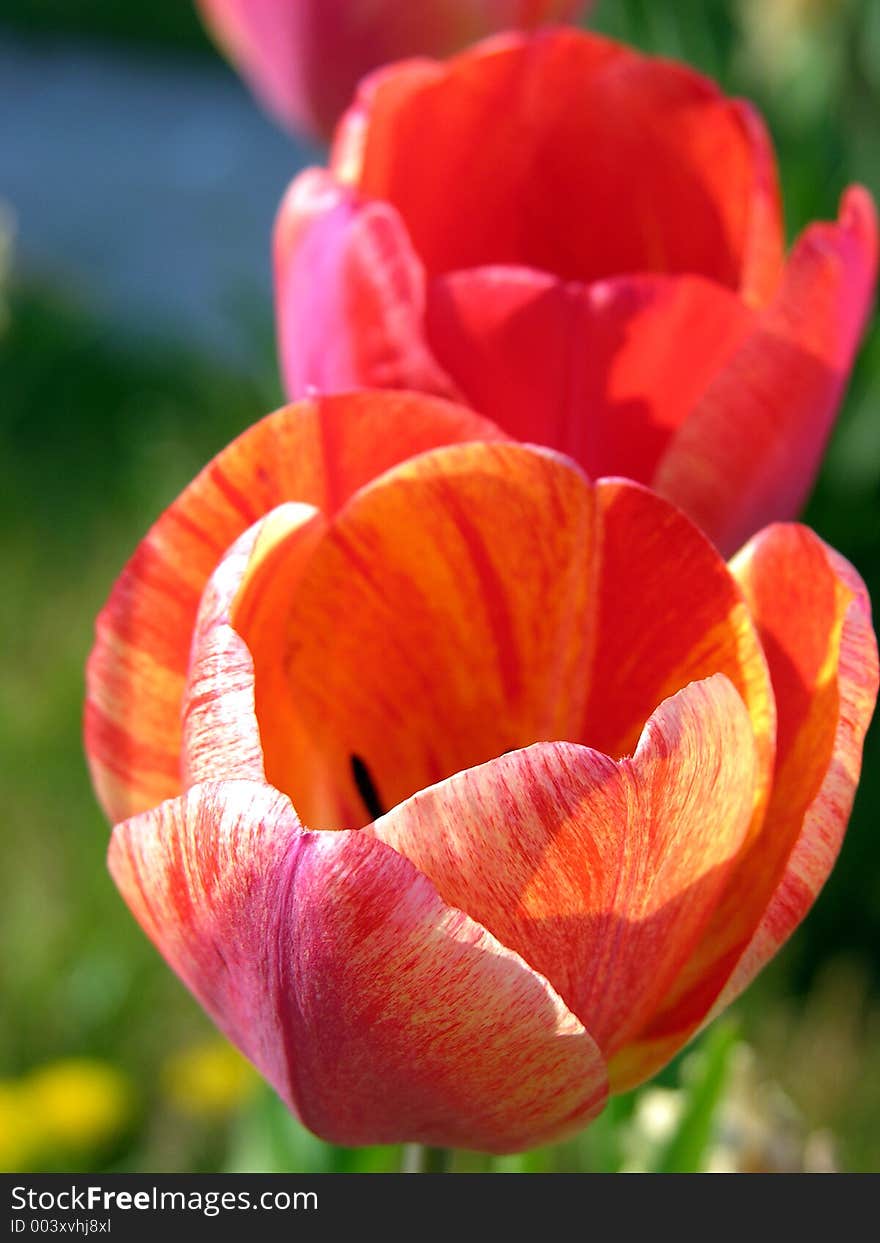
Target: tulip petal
[478,600]
[262,39]
[604,372]
[602,875]
[572,129]
[749,453]
[444,619]
[350,294]
[378,1012]
[221,737]
[317,452]
[303,58]
[668,612]
[814,619]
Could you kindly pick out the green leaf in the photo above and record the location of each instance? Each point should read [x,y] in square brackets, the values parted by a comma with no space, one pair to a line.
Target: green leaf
[684,1152]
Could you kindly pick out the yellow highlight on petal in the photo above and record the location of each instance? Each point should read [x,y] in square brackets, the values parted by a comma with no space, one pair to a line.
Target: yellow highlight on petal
[208,1079]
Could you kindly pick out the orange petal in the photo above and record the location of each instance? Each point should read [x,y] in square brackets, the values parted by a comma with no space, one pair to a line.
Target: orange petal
[573,155]
[475,601]
[318,452]
[601,875]
[814,618]
[749,452]
[378,1012]
[443,619]
[668,613]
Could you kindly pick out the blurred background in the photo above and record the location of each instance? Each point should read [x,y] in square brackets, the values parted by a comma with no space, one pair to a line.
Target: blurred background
[138,181]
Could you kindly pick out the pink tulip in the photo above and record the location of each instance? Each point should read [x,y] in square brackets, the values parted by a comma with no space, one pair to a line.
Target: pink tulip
[304,58]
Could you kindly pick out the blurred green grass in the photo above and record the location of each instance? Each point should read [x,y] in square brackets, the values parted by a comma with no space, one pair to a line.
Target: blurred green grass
[98,433]
[96,438]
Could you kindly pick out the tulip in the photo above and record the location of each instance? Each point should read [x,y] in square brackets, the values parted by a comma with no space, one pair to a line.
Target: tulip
[584,244]
[304,58]
[459,789]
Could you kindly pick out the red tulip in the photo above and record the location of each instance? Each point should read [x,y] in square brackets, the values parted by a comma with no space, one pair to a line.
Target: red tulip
[485,784]
[584,244]
[304,58]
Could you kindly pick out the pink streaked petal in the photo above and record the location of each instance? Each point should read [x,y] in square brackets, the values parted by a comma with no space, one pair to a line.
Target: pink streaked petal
[350,294]
[379,1013]
[221,738]
[602,875]
[814,620]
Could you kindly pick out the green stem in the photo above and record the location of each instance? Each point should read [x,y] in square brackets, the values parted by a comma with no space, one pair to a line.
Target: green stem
[419,1159]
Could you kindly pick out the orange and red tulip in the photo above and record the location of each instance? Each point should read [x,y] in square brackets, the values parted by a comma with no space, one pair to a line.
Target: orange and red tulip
[585,244]
[461,789]
[304,58]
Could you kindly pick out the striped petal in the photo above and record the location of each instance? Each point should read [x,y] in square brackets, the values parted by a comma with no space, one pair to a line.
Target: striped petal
[750,450]
[668,612]
[602,875]
[318,452]
[814,619]
[475,601]
[378,1012]
[442,620]
[221,736]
